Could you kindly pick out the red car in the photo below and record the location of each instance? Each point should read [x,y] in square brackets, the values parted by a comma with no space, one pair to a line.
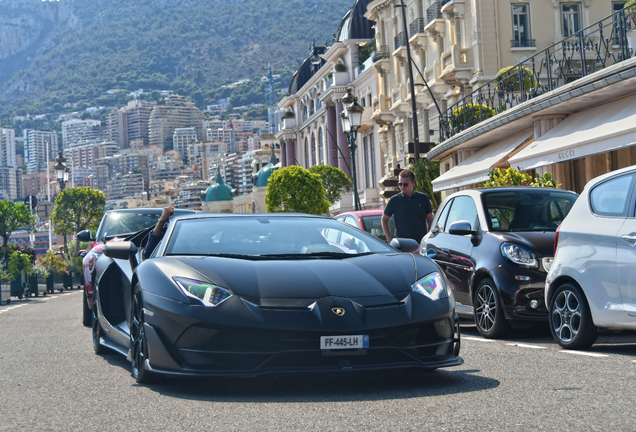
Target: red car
[367,220]
[115,224]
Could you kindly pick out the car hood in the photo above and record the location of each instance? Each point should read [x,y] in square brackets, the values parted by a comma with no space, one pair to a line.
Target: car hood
[541,242]
[363,276]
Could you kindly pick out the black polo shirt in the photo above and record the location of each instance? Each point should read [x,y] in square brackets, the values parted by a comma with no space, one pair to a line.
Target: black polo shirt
[410,214]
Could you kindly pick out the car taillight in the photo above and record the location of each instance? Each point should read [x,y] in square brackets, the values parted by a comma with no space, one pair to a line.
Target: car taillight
[556,238]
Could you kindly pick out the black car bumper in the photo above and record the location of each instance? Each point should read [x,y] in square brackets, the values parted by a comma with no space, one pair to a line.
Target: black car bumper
[522,299]
[240,338]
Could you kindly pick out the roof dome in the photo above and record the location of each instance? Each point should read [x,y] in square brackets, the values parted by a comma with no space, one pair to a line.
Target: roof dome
[310,66]
[263,175]
[219,191]
[354,25]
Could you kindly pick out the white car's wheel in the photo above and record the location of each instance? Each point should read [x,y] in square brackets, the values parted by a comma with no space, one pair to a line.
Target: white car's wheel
[570,318]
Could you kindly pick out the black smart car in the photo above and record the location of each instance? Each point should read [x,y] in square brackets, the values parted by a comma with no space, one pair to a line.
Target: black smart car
[495,246]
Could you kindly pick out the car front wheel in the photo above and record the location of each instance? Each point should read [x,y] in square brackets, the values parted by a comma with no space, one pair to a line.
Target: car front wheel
[570,318]
[138,343]
[487,308]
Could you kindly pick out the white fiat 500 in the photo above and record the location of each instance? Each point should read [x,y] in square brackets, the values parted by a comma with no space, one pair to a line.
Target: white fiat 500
[592,282]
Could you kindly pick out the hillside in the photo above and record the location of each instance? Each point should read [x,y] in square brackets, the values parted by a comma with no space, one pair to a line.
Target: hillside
[54,52]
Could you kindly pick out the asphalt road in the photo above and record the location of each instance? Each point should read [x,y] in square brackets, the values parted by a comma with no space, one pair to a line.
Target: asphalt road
[50,379]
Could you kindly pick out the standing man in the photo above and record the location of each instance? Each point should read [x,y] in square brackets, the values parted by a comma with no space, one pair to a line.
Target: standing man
[412,210]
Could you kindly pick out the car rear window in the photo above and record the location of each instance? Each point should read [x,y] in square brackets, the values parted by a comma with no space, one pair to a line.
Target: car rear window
[373,225]
[611,198]
[538,209]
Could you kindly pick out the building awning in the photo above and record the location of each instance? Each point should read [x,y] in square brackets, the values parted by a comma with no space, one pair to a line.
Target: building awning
[475,169]
[604,128]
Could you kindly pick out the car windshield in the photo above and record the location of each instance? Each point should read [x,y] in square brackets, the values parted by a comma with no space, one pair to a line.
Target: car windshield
[270,236]
[373,225]
[538,209]
[119,223]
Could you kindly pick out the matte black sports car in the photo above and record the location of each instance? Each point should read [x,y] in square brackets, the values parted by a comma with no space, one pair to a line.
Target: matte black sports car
[253,294]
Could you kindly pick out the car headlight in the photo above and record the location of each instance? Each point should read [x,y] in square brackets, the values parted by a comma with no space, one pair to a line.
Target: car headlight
[519,255]
[433,286]
[208,294]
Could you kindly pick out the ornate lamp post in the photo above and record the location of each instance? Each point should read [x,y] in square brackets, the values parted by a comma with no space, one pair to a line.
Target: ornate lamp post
[351,118]
[61,174]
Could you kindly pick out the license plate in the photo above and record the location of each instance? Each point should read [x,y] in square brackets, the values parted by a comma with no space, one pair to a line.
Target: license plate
[344,342]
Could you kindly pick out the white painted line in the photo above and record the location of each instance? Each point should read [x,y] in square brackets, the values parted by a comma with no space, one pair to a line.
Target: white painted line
[476,339]
[67,294]
[526,346]
[585,353]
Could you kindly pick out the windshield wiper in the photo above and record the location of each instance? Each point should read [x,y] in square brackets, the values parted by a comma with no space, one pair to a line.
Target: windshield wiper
[317,255]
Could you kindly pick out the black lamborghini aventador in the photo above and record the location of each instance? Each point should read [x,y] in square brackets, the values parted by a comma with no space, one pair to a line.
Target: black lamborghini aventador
[271,293]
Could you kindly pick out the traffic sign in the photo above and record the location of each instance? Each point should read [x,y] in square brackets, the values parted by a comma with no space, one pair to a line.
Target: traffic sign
[31,201]
[44,210]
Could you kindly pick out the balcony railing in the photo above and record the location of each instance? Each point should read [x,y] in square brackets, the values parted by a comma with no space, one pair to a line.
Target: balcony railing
[433,12]
[400,40]
[417,26]
[523,43]
[594,48]
[382,52]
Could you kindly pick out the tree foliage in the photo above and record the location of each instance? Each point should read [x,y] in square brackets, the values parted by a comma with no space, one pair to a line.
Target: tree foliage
[425,172]
[14,216]
[334,180]
[77,209]
[295,189]
[471,114]
[515,177]
[19,263]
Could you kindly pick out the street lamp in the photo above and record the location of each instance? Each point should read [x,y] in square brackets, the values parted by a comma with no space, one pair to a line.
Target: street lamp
[61,174]
[351,118]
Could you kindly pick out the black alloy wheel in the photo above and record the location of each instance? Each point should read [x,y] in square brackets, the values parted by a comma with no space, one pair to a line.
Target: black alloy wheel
[488,311]
[138,343]
[87,314]
[570,318]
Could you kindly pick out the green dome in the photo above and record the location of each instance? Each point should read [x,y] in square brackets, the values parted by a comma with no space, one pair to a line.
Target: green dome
[262,176]
[219,191]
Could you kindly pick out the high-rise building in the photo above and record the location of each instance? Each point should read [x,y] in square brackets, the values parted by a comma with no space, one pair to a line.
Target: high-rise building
[130,123]
[183,139]
[80,131]
[11,183]
[7,148]
[178,112]
[35,148]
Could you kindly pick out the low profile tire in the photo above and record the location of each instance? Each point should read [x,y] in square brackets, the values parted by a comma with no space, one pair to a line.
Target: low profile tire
[138,342]
[87,314]
[488,311]
[570,318]
[97,334]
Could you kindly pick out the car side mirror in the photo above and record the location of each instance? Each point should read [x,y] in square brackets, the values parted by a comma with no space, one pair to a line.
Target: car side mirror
[461,228]
[85,236]
[122,250]
[404,244]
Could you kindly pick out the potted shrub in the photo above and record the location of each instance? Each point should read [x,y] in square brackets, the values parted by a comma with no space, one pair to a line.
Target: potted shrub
[74,269]
[508,79]
[19,266]
[39,274]
[468,115]
[340,75]
[56,267]
[289,119]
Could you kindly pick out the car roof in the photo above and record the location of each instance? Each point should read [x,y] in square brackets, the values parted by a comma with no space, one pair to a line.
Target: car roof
[250,215]
[373,212]
[150,209]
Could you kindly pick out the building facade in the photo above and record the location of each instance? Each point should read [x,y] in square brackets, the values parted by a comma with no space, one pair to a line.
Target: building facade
[75,132]
[178,112]
[36,146]
[7,148]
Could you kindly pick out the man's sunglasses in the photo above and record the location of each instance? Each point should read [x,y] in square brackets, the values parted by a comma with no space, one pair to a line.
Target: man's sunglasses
[403,184]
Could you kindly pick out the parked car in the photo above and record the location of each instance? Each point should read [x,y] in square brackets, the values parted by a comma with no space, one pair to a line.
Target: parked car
[367,220]
[592,282]
[115,223]
[271,293]
[495,245]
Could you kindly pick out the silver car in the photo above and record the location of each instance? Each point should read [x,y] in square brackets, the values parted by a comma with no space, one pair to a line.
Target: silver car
[592,282]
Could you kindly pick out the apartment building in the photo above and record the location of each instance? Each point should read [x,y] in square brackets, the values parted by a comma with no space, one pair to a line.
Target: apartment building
[122,165]
[130,123]
[7,148]
[182,139]
[178,112]
[80,131]
[36,146]
[85,154]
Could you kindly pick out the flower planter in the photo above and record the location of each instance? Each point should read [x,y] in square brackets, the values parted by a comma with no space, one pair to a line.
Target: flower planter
[289,123]
[5,292]
[54,282]
[340,78]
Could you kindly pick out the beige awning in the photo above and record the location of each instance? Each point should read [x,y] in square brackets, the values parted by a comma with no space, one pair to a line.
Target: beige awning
[604,128]
[475,169]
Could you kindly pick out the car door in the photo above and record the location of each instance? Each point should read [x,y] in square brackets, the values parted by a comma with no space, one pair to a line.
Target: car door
[454,252]
[625,240]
